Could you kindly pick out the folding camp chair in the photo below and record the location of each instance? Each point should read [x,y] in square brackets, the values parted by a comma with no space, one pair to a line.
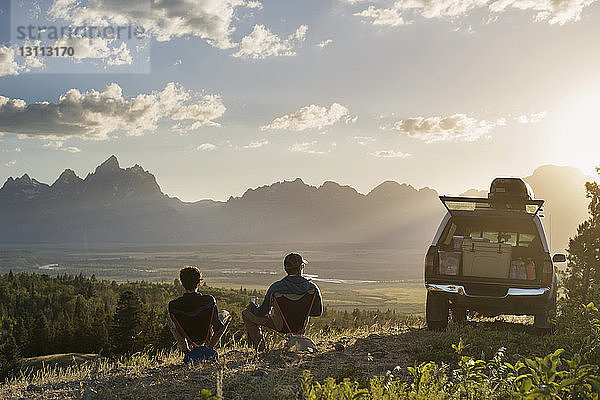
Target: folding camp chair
[196,326]
[291,312]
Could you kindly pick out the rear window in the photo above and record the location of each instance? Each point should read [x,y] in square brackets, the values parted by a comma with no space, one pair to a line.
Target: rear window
[518,232]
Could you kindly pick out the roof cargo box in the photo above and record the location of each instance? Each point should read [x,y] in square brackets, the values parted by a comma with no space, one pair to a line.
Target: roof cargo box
[486,260]
[510,187]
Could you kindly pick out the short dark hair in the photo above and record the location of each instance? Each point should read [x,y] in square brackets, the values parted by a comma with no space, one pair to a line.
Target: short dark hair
[190,277]
[293,263]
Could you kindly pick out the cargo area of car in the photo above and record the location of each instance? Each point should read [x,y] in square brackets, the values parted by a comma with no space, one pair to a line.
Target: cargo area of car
[491,249]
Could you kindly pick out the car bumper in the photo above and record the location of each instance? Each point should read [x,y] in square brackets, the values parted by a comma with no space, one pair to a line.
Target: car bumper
[519,301]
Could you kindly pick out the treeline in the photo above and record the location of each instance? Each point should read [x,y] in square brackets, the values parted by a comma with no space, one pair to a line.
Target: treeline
[40,315]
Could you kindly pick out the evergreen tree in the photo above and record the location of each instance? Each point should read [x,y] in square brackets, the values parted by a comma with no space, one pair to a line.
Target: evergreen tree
[40,336]
[582,275]
[10,362]
[127,322]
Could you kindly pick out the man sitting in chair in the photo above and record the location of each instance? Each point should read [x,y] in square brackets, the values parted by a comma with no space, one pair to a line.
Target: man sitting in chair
[287,304]
[194,318]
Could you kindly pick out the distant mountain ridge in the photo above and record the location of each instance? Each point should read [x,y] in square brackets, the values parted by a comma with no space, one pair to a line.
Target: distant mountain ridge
[126,205]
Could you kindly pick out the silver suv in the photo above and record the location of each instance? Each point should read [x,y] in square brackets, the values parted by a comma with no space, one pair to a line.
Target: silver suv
[490,255]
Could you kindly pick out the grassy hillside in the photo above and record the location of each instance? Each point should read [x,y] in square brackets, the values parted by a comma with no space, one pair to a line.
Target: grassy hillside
[411,362]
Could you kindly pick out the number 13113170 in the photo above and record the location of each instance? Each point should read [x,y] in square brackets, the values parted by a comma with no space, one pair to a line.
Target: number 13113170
[35,51]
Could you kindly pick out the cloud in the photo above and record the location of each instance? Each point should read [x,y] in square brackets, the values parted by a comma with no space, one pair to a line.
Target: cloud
[403,12]
[457,127]
[256,144]
[554,11]
[312,117]
[390,154]
[15,150]
[324,43]
[97,48]
[8,65]
[206,147]
[11,163]
[531,118]
[254,4]
[364,140]
[382,16]
[262,43]
[58,145]
[306,147]
[211,20]
[95,115]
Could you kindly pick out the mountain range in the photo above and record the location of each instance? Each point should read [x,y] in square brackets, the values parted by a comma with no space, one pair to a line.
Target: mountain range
[126,205]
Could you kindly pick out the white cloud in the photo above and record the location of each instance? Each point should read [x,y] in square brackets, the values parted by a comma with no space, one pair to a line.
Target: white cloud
[553,11]
[95,115]
[382,16]
[262,43]
[404,11]
[211,20]
[206,147]
[312,117]
[306,147]
[8,65]
[256,144]
[254,4]
[531,118]
[97,48]
[390,154]
[58,145]
[364,140]
[324,43]
[11,163]
[457,127]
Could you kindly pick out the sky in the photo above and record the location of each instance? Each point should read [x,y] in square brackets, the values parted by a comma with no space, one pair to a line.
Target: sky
[215,97]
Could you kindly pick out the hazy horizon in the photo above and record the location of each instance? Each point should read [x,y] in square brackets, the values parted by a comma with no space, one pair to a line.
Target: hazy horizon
[242,190]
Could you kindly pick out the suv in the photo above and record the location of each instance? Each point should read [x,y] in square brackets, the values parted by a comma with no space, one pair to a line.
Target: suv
[490,255]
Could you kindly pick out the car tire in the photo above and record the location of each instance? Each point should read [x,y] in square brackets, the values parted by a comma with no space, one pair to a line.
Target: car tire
[436,312]
[459,315]
[541,324]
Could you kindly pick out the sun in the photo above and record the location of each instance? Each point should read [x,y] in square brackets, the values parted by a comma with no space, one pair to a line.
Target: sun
[578,142]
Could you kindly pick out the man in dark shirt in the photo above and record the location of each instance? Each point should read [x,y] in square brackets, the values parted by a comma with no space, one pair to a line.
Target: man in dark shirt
[192,303]
[294,283]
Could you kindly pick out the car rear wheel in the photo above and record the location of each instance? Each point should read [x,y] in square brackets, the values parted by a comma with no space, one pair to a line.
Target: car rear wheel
[436,312]
[541,323]
[459,314]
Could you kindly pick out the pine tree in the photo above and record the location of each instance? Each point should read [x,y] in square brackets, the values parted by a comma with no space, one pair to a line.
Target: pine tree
[582,275]
[40,336]
[128,320]
[10,362]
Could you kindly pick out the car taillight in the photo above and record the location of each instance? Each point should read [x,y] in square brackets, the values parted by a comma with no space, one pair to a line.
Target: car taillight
[431,262]
[547,272]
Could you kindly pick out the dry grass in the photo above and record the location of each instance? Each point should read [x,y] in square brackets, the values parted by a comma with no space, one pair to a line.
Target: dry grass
[273,374]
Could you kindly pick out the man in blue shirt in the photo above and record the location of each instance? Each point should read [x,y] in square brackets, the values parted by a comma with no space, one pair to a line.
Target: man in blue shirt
[294,283]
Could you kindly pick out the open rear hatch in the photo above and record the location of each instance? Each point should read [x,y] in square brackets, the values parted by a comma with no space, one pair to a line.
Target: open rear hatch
[491,240]
[462,206]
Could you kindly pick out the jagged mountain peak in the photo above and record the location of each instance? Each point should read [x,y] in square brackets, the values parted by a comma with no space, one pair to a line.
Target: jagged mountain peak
[68,176]
[110,165]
